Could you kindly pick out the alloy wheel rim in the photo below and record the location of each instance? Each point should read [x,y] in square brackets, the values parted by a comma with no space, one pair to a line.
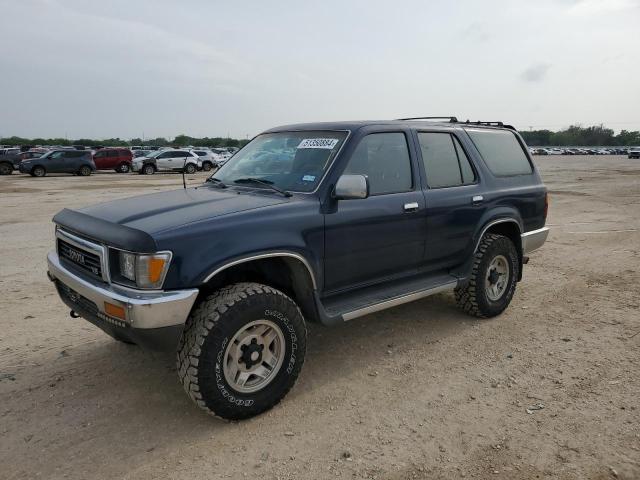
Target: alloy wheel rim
[497,278]
[254,356]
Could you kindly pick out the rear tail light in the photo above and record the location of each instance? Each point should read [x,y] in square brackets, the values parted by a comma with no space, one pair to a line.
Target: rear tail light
[546,205]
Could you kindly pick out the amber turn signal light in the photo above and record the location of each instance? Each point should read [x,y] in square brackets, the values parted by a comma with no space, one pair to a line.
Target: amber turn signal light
[114,311]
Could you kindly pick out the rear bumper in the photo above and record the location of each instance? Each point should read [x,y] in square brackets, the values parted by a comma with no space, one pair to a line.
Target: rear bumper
[534,239]
[152,319]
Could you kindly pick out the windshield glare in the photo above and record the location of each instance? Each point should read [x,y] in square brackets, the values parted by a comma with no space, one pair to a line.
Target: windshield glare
[294,161]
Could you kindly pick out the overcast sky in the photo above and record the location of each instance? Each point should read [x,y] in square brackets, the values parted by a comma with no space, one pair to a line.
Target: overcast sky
[124,68]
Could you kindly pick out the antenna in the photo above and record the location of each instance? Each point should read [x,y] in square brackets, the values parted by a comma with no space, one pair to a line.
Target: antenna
[184,166]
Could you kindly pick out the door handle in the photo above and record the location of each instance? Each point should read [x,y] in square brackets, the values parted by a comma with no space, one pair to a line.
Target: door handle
[411,207]
[477,199]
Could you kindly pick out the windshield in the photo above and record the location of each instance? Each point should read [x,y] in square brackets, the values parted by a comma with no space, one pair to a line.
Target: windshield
[293,161]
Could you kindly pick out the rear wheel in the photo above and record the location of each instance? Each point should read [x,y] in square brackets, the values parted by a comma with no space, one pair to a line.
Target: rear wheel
[190,168]
[38,171]
[123,168]
[148,169]
[241,350]
[206,166]
[493,278]
[84,171]
[6,168]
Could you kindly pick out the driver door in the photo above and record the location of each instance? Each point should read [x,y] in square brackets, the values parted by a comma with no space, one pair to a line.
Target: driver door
[381,237]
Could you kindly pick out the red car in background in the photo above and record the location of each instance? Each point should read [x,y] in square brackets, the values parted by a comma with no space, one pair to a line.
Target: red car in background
[118,159]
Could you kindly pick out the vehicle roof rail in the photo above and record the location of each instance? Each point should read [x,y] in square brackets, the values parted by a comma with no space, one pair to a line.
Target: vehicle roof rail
[489,124]
[449,119]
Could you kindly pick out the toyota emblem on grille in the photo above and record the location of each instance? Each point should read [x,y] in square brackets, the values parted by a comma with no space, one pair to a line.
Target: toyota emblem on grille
[76,256]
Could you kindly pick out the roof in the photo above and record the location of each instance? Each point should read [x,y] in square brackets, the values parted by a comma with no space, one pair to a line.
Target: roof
[405,123]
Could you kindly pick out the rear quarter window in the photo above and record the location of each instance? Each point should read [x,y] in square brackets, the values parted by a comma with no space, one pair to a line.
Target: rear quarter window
[501,151]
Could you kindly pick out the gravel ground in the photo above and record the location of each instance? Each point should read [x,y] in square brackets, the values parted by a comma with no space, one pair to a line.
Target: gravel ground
[547,390]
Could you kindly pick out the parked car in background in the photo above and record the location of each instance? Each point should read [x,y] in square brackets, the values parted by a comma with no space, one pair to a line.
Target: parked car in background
[634,152]
[77,162]
[167,160]
[118,159]
[9,162]
[141,153]
[207,158]
[9,151]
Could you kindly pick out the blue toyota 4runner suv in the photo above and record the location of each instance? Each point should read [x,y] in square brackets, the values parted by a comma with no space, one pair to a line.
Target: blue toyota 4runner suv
[322,222]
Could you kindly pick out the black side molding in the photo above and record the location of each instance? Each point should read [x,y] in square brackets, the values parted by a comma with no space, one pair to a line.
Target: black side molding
[113,234]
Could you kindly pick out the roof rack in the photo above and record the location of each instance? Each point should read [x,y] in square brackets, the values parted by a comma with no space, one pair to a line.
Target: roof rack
[450,119]
[489,124]
[467,122]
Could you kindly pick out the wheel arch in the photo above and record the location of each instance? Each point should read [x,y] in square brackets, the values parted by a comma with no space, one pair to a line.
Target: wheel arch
[287,271]
[508,227]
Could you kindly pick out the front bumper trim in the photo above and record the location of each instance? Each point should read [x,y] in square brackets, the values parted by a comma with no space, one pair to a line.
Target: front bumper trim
[144,310]
[534,239]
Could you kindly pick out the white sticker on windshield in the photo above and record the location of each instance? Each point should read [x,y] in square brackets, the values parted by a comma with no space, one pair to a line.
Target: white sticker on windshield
[327,143]
[309,178]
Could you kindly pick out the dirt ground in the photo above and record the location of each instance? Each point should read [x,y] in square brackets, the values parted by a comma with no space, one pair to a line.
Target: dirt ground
[419,391]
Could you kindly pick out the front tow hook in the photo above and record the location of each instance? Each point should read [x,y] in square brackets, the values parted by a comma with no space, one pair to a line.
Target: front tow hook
[73,314]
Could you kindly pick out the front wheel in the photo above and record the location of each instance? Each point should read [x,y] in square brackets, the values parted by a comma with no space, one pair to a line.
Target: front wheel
[148,169]
[38,172]
[241,350]
[493,278]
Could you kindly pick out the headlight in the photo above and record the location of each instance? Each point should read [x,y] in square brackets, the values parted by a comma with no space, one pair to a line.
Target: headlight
[142,270]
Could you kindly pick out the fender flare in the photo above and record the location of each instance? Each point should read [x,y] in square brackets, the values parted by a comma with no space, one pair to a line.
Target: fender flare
[261,256]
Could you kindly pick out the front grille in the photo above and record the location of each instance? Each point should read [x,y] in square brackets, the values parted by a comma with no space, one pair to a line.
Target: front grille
[80,258]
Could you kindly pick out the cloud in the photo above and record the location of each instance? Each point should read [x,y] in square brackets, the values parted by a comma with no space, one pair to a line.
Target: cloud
[597,7]
[476,32]
[535,73]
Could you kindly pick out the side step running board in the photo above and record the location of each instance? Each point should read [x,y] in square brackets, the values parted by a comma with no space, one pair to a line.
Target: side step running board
[410,297]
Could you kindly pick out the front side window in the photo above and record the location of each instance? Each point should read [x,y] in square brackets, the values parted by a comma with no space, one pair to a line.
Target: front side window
[445,162]
[501,151]
[384,159]
[294,161]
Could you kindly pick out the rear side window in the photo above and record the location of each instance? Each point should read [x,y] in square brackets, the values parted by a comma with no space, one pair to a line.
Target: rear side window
[501,151]
[384,158]
[445,162]
[74,154]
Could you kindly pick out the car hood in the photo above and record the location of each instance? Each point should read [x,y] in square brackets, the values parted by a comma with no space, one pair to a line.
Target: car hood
[157,212]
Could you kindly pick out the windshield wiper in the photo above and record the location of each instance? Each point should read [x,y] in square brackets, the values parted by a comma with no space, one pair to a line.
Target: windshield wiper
[217,181]
[266,183]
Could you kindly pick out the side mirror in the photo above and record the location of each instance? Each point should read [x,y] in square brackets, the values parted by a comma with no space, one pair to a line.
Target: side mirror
[351,187]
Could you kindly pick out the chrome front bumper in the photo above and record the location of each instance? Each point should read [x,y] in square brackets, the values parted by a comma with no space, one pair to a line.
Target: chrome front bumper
[144,310]
[534,239]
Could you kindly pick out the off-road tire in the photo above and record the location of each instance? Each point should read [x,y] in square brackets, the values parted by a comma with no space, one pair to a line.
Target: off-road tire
[207,166]
[6,168]
[148,169]
[38,171]
[84,171]
[472,297]
[190,168]
[209,328]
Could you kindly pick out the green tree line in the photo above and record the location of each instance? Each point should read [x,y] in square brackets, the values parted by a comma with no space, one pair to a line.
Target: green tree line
[179,141]
[576,135]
